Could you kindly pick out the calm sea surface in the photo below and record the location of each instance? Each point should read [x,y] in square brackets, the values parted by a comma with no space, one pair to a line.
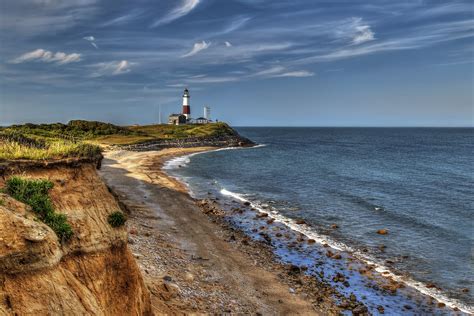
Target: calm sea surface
[415,182]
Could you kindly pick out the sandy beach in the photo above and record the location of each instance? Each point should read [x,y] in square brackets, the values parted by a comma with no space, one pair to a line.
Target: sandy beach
[192,262]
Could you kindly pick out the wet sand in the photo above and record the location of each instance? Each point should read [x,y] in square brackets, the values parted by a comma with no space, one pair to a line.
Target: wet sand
[194,262]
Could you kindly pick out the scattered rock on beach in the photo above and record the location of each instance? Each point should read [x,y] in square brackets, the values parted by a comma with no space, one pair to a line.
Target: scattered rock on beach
[300,221]
[334,226]
[382,231]
[247,203]
[261,215]
[465,290]
[311,241]
[381,309]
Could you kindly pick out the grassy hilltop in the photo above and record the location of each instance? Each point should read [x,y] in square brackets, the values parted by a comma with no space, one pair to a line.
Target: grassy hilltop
[83,139]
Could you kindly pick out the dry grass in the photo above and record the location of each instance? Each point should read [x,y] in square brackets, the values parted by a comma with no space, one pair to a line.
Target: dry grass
[55,149]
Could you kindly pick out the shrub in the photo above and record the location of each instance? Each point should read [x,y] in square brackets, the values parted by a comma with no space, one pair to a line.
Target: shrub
[117,219]
[35,194]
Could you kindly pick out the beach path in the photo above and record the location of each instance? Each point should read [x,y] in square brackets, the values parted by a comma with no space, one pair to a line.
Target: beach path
[185,259]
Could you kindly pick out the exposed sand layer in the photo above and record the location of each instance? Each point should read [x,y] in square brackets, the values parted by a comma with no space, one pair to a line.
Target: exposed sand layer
[191,263]
[94,273]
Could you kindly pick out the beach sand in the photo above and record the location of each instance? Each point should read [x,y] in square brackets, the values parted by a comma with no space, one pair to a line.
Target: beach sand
[194,263]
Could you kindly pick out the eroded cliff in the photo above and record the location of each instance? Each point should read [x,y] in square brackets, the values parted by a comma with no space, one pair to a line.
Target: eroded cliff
[92,273]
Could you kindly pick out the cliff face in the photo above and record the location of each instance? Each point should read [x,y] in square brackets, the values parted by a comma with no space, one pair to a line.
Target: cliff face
[93,273]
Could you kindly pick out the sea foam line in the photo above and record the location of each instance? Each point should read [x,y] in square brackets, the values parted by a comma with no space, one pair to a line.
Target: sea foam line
[310,233]
[380,268]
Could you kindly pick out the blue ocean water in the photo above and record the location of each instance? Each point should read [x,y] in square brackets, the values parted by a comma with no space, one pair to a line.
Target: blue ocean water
[415,182]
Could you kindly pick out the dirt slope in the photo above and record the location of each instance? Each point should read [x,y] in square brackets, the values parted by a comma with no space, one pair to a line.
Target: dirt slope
[92,274]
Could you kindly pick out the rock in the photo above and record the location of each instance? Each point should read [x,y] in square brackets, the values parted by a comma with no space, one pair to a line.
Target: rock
[300,222]
[291,290]
[247,203]
[339,278]
[311,241]
[465,290]
[261,215]
[441,305]
[337,256]
[360,310]
[352,298]
[188,277]
[133,231]
[167,278]
[334,226]
[381,309]
[382,247]
[293,269]
[278,234]
[431,286]
[382,231]
[271,220]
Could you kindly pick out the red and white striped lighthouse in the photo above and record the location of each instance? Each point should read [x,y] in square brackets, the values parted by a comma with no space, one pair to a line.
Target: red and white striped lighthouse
[186,106]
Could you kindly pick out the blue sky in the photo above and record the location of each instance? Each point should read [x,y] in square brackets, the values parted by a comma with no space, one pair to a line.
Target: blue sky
[255,62]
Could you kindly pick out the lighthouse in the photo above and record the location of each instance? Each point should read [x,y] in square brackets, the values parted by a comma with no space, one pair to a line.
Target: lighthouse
[186,106]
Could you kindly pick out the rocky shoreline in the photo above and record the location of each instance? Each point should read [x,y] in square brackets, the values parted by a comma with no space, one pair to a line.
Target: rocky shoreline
[191,259]
[216,141]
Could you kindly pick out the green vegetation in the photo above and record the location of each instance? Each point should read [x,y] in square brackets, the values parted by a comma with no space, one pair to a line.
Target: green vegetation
[35,194]
[117,219]
[58,148]
[82,139]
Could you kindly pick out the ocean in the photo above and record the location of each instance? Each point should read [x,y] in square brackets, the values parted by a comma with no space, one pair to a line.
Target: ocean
[347,183]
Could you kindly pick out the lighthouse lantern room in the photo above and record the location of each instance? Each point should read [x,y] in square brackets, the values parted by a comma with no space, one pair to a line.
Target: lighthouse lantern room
[186,105]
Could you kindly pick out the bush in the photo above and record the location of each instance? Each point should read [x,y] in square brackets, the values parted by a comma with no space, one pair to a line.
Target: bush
[35,194]
[117,219]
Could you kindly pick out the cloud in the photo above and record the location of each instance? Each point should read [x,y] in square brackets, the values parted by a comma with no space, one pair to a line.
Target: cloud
[280,71]
[42,55]
[298,74]
[91,39]
[227,44]
[363,34]
[134,14]
[199,46]
[112,68]
[178,12]
[236,24]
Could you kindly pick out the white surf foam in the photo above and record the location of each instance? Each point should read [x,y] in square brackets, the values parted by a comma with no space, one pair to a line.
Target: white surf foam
[380,268]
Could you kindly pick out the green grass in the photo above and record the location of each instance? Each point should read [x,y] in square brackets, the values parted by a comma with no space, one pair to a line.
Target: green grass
[35,194]
[83,139]
[117,219]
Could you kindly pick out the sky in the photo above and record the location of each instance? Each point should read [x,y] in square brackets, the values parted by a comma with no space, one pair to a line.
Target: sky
[254,62]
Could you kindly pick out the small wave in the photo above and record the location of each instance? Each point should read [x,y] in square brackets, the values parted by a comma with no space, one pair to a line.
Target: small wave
[380,268]
[182,161]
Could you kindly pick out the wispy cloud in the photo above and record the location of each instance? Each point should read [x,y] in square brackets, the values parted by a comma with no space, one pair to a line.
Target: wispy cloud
[227,44]
[296,74]
[197,48]
[91,39]
[363,34]
[47,56]
[236,24]
[178,12]
[111,68]
[126,18]
[280,71]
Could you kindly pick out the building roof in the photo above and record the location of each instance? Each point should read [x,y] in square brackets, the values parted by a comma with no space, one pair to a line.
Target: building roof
[202,118]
